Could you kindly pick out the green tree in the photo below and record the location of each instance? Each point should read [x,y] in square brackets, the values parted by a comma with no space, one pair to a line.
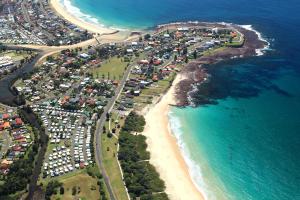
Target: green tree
[175,58]
[62,190]
[74,190]
[195,54]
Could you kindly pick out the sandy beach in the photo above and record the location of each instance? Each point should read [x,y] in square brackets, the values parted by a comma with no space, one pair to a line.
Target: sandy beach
[108,32]
[165,153]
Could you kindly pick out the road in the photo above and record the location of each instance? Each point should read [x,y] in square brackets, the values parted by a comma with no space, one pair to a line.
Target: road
[99,129]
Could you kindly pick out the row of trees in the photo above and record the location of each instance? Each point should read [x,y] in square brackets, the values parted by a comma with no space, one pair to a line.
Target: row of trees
[141,178]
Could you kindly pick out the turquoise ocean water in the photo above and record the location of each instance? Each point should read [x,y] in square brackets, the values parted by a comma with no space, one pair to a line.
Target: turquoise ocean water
[247,144]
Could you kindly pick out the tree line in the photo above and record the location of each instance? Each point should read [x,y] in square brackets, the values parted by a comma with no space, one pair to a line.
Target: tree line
[141,178]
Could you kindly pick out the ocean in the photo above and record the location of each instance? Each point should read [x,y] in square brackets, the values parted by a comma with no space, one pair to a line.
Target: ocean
[247,144]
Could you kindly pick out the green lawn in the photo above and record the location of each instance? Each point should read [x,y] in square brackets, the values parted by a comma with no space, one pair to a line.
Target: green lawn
[109,148]
[113,67]
[86,186]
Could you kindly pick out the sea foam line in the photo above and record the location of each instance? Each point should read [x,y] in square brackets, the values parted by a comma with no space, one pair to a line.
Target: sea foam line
[194,168]
[79,14]
[259,52]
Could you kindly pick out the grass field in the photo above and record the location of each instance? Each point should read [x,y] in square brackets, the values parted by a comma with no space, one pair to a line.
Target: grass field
[109,148]
[86,188]
[14,55]
[112,68]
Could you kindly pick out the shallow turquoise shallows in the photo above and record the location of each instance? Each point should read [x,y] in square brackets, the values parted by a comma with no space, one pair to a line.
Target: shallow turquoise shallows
[247,146]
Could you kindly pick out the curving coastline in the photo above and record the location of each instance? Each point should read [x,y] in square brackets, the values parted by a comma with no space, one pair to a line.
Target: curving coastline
[94,28]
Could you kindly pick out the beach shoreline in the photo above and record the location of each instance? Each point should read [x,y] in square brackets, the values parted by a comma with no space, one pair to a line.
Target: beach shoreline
[109,34]
[58,8]
[166,155]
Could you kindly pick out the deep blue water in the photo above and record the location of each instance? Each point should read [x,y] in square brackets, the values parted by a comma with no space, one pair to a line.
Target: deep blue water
[247,145]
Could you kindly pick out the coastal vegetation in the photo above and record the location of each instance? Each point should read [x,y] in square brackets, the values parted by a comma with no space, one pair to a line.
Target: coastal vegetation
[141,178]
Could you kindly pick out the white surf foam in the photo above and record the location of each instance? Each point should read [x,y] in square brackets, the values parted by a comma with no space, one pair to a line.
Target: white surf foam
[259,52]
[194,168]
[79,14]
[74,11]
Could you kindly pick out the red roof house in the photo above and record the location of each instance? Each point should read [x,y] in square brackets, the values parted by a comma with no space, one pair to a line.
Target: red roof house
[19,121]
[5,116]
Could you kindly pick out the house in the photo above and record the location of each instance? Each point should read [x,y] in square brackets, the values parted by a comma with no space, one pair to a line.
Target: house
[5,116]
[6,125]
[64,86]
[183,29]
[129,51]
[84,56]
[17,148]
[144,62]
[157,62]
[166,35]
[5,164]
[19,121]
[137,91]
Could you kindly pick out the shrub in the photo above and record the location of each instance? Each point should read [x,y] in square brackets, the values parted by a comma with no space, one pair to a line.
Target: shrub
[62,190]
[74,190]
